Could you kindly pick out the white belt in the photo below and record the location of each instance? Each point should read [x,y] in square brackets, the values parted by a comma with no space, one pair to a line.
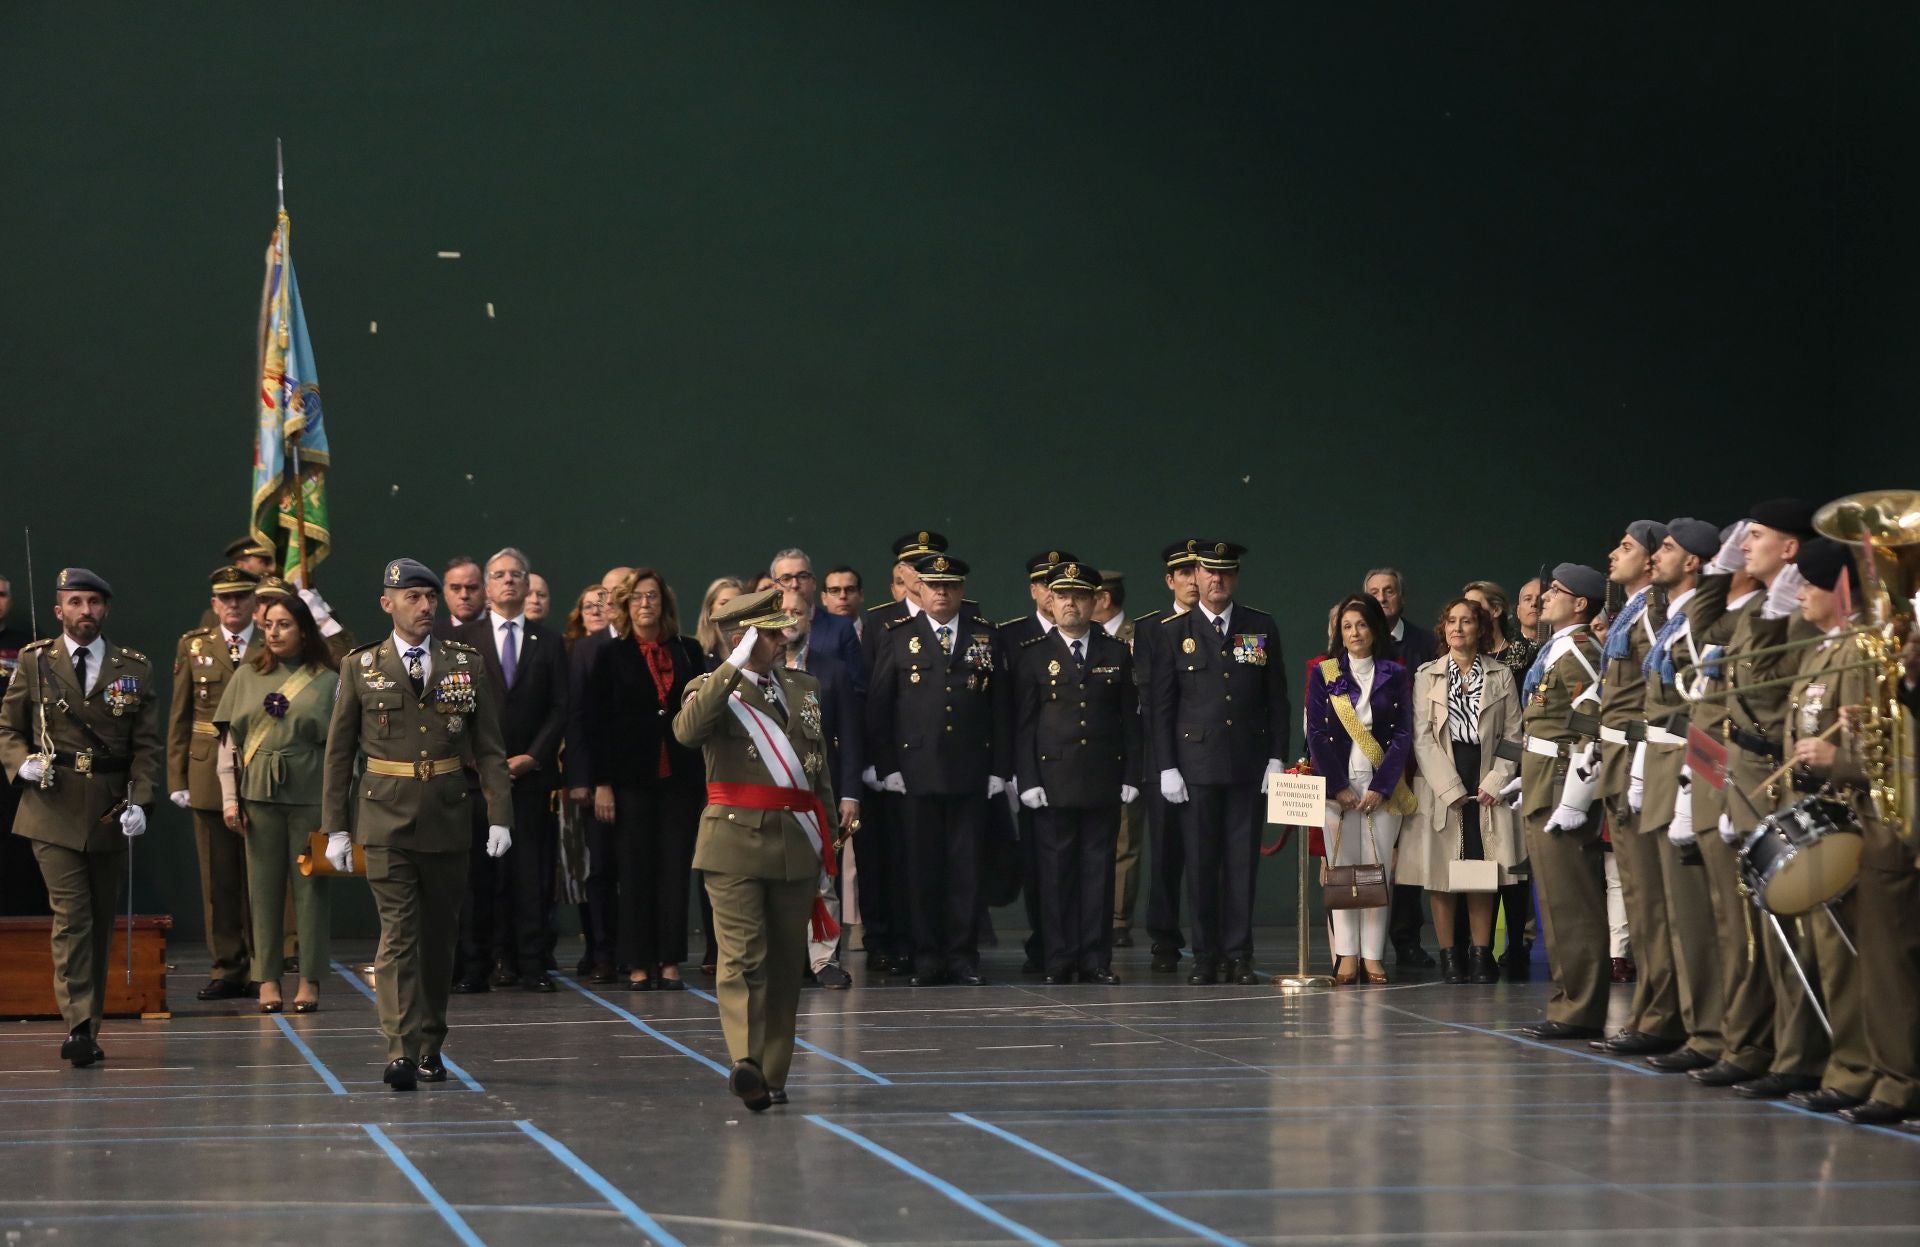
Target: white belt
[1613,735]
[1661,736]
[1545,748]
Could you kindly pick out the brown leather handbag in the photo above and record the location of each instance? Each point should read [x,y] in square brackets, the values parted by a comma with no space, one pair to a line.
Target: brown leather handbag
[1355,887]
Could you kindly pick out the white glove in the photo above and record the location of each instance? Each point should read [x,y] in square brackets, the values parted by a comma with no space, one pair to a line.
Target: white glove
[1274,767]
[1637,778]
[1034,798]
[179,798]
[1511,793]
[340,852]
[744,650]
[1128,794]
[322,613]
[499,840]
[133,821]
[1565,818]
[1731,557]
[33,770]
[870,779]
[995,785]
[1172,787]
[896,782]
[1582,776]
[1727,833]
[1783,595]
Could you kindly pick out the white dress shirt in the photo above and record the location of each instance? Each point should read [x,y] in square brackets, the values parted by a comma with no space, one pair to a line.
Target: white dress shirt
[1224,618]
[500,623]
[96,658]
[243,637]
[400,647]
[1114,625]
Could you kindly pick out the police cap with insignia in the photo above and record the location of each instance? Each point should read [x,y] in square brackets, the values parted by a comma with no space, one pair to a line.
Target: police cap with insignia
[1071,575]
[1696,537]
[754,610]
[910,547]
[409,574]
[1649,533]
[940,569]
[1040,566]
[1221,556]
[231,579]
[80,580]
[1181,553]
[249,548]
[1581,581]
[273,589]
[1792,516]
[1821,561]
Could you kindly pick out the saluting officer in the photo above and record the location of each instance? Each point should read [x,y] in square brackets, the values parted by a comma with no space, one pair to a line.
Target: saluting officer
[1166,846]
[80,731]
[934,716]
[422,711]
[1222,723]
[203,661]
[1077,736]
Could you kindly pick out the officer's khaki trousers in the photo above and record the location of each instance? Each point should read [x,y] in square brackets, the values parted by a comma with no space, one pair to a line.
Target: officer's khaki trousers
[761,925]
[1571,877]
[83,890]
[417,896]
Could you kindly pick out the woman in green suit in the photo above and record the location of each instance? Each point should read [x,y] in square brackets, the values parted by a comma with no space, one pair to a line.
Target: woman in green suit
[273,718]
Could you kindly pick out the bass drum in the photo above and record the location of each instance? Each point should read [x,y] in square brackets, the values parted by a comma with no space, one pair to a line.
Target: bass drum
[1802,857]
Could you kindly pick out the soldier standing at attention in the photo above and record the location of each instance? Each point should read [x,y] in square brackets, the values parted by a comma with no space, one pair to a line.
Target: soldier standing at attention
[80,731]
[203,663]
[1166,851]
[422,711]
[1014,635]
[1109,611]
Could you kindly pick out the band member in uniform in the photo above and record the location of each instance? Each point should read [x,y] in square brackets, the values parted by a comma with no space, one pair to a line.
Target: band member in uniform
[1166,845]
[203,663]
[1077,735]
[1222,724]
[80,732]
[766,843]
[422,712]
[937,730]
[1558,774]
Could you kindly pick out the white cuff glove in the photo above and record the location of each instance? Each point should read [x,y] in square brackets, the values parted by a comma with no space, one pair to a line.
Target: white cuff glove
[322,613]
[1680,831]
[870,779]
[340,852]
[1783,595]
[33,770]
[1034,798]
[1274,767]
[1731,557]
[179,798]
[133,821]
[1128,794]
[995,785]
[1727,833]
[744,650]
[499,840]
[895,782]
[1565,818]
[1637,778]
[1172,786]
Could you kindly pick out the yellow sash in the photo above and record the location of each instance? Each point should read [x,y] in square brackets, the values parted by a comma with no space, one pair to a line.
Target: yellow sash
[1402,801]
[296,684]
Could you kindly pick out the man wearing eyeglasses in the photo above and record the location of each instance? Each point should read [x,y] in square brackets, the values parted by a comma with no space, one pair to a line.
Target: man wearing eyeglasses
[843,593]
[831,634]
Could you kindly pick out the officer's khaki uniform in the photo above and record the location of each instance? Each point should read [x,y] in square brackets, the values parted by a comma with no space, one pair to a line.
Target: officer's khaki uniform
[201,670]
[1889,938]
[82,858]
[761,873]
[411,813]
[1569,867]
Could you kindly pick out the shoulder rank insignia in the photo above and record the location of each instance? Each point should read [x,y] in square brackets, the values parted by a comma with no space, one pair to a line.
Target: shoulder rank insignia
[1009,623]
[895,623]
[1034,640]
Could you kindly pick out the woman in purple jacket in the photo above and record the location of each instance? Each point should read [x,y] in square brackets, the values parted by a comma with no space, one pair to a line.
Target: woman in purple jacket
[1360,736]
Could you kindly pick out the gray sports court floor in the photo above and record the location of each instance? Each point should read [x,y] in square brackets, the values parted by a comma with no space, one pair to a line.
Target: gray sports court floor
[1149,1113]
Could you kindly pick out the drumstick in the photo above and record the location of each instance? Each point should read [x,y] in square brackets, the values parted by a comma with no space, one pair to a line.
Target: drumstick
[1789,764]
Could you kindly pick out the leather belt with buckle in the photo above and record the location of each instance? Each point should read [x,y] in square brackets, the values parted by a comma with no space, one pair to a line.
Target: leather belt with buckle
[421,769]
[87,762]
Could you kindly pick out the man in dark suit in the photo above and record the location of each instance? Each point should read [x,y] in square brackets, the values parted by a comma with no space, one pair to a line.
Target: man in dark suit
[935,723]
[1166,852]
[1412,645]
[1222,723]
[1015,633]
[1077,741]
[792,571]
[507,911]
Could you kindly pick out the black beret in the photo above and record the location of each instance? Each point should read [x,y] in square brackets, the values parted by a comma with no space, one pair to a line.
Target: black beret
[409,574]
[79,578]
[1821,561]
[1696,537]
[1793,516]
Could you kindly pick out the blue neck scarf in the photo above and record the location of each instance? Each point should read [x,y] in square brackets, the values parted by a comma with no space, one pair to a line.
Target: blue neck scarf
[1620,631]
[1660,657]
[1536,673]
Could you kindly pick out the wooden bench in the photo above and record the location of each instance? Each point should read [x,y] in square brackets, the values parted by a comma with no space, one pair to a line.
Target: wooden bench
[26,968]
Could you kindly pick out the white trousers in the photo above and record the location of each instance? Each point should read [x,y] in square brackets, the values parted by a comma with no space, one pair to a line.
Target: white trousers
[1362,932]
[1617,943]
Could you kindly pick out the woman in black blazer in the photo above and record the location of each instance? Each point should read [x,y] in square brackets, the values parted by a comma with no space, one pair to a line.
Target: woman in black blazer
[648,785]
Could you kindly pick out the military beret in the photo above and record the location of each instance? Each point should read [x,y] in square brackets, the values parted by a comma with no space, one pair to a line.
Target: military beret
[940,568]
[79,578]
[1040,565]
[1792,516]
[1072,575]
[914,544]
[231,579]
[249,547]
[1181,553]
[1821,561]
[1649,533]
[272,588]
[1581,581]
[754,610]
[1694,536]
[1221,556]
[409,574]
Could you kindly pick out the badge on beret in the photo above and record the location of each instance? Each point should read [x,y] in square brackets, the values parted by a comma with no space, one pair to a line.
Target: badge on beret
[1187,646]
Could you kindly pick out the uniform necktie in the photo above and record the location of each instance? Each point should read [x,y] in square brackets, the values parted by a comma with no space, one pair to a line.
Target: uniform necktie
[946,640]
[509,656]
[80,669]
[416,673]
[233,649]
[1220,627]
[1079,658]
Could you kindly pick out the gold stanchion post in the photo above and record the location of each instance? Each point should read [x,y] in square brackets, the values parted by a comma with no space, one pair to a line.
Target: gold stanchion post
[1302,980]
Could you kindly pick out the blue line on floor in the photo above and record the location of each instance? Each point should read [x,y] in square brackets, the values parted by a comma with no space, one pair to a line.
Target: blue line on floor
[461,1074]
[941,1185]
[641,1026]
[293,1037]
[356,982]
[455,1222]
[1101,1180]
[134,1140]
[1559,1048]
[835,1057]
[607,1190]
[1502,1188]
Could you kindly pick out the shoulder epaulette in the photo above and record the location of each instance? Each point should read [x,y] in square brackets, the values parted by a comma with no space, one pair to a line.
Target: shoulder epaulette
[1174,619]
[1010,622]
[361,649]
[450,644]
[42,643]
[881,606]
[1035,640]
[134,654]
[1242,606]
[895,623]
[1140,619]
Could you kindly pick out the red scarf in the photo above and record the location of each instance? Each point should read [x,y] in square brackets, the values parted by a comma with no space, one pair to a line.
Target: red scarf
[659,660]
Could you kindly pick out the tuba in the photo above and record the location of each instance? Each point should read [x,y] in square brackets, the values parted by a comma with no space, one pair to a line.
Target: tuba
[1885,525]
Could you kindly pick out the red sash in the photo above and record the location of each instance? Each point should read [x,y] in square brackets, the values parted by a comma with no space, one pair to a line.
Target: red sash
[798,800]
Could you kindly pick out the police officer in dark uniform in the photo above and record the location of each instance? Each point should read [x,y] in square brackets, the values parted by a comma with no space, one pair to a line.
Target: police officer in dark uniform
[1077,736]
[1222,724]
[935,721]
[1166,853]
[1015,634]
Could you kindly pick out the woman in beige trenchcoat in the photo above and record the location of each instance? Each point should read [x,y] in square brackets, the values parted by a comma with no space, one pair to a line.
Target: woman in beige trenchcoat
[1465,706]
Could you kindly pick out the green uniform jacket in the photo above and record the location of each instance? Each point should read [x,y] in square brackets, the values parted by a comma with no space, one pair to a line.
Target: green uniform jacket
[1623,701]
[122,711]
[289,759]
[1758,711]
[757,844]
[377,714]
[201,670]
[1546,715]
[1667,705]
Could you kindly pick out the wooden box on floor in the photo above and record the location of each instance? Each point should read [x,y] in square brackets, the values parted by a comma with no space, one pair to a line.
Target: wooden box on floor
[26,968]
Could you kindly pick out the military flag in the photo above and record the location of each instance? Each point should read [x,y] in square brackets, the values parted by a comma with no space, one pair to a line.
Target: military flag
[290,456]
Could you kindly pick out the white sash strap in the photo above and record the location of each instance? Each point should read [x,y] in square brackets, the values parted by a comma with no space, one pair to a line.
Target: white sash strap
[782,763]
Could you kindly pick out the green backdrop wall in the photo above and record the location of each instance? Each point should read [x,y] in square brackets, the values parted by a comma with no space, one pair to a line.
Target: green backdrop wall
[1456,287]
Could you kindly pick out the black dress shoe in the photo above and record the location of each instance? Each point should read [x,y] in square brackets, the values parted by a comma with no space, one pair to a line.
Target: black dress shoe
[1451,971]
[642,985]
[1722,1074]
[1205,974]
[1100,978]
[1122,938]
[1775,1086]
[966,978]
[401,1074]
[1874,1113]
[834,978]
[1057,980]
[1412,955]
[472,984]
[670,985]
[1241,972]
[929,979]
[1635,1043]
[505,976]
[1517,965]
[539,983]
[602,972]
[1166,959]
[1481,967]
[432,1068]
[1823,1099]
[223,989]
[776,1097]
[746,1081]
[1681,1061]
[78,1048]
[1558,1030]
